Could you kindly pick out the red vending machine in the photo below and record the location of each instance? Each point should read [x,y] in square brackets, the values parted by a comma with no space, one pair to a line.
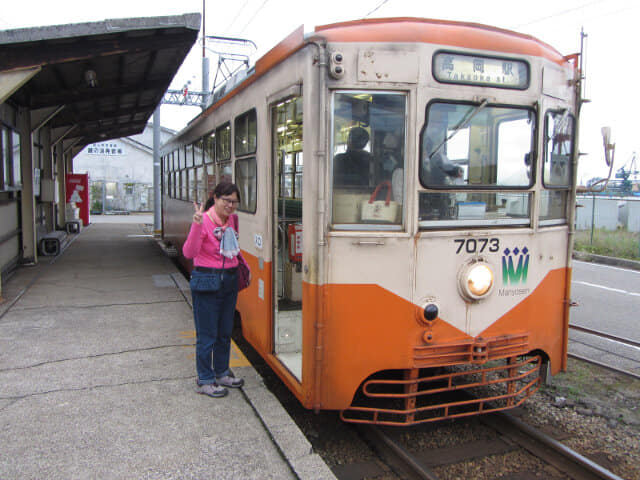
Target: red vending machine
[78,193]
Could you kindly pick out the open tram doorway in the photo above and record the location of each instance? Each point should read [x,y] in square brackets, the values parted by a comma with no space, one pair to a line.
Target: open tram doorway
[287,233]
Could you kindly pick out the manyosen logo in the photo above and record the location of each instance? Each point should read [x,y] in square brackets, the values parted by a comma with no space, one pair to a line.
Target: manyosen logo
[515,266]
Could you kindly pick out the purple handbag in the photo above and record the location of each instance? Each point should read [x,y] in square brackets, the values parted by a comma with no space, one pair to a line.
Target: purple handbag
[244,272]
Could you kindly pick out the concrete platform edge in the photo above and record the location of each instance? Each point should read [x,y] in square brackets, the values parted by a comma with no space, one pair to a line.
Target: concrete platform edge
[293,445]
[285,434]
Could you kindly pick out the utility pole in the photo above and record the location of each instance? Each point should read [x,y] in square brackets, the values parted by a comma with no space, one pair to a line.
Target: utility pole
[157,193]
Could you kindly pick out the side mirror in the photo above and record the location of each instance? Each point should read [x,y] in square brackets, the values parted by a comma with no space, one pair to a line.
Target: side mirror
[609,148]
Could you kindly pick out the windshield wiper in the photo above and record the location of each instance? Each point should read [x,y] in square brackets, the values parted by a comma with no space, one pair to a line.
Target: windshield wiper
[462,123]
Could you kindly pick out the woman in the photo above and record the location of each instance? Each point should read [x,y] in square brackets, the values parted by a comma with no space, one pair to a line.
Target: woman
[213,245]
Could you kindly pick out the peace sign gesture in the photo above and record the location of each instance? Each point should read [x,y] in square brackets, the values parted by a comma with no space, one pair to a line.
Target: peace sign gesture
[198,211]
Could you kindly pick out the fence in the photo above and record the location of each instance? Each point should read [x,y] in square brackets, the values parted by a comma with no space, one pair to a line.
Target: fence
[608,225]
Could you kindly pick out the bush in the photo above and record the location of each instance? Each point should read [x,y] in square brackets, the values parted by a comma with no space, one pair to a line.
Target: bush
[619,243]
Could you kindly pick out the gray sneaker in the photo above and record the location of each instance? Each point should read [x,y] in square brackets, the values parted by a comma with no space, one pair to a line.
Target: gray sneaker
[212,390]
[229,381]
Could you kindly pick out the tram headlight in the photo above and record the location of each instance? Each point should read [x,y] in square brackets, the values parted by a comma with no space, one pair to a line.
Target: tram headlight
[476,280]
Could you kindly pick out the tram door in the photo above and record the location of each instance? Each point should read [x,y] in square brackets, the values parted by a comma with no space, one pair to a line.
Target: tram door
[287,233]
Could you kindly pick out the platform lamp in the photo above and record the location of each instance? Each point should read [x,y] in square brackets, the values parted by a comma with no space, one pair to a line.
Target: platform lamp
[91,78]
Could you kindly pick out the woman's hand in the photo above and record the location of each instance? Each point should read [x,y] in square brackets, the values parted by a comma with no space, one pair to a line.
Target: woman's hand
[198,211]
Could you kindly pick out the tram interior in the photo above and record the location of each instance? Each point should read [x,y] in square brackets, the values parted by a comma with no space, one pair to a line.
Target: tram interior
[289,162]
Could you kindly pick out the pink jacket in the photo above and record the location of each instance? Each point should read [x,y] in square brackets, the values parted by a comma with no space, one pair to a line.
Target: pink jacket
[204,247]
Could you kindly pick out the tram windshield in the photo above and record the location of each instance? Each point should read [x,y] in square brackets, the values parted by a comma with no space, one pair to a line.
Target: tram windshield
[476,162]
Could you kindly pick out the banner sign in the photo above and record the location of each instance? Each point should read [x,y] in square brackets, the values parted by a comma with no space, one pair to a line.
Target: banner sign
[105,148]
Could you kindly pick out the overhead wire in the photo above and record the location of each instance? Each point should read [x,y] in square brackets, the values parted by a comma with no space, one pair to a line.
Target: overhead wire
[254,15]
[381,4]
[236,17]
[558,14]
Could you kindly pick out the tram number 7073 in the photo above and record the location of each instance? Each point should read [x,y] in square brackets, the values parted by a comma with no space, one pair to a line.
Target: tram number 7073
[477,245]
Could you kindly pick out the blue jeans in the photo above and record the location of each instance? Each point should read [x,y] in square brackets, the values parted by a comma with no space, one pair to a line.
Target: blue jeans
[213,313]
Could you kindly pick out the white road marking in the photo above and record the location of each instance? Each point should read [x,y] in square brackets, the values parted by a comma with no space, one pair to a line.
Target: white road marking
[602,265]
[617,290]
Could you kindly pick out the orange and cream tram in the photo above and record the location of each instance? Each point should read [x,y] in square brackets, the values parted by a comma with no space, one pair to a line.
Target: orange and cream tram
[407,206]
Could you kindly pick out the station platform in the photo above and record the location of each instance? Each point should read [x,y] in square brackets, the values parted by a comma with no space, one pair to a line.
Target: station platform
[97,375]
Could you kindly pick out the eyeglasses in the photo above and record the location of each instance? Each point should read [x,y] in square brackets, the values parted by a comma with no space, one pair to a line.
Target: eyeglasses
[230,202]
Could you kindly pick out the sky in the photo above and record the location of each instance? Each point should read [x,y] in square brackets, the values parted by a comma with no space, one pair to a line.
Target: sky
[612,67]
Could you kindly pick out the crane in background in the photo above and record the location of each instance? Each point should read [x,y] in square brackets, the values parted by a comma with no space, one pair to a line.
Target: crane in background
[624,173]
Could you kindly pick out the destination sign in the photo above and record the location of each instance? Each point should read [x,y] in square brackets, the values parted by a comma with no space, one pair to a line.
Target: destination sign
[484,71]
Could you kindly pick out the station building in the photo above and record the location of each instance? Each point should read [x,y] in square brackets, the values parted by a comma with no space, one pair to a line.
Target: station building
[121,172]
[63,88]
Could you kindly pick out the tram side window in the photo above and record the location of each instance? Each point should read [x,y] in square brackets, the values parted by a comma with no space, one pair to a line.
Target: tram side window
[246,179]
[211,179]
[184,185]
[225,172]
[557,174]
[209,148]
[193,184]
[223,143]
[198,152]
[188,155]
[165,175]
[209,155]
[466,147]
[175,187]
[246,134]
[172,176]
[368,159]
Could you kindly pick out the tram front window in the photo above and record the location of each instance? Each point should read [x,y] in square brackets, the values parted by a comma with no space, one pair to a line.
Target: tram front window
[368,159]
[465,148]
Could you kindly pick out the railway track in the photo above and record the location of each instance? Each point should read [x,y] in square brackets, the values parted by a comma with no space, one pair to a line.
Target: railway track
[626,342]
[513,435]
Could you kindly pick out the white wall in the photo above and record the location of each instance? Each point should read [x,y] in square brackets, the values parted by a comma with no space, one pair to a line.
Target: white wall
[134,165]
[633,220]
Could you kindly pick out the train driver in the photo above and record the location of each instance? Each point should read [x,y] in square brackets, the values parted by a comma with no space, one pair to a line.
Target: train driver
[437,169]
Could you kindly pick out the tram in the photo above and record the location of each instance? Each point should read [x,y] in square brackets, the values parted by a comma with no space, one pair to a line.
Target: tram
[407,201]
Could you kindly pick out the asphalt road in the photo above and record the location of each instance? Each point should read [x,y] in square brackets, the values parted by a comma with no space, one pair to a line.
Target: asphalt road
[609,301]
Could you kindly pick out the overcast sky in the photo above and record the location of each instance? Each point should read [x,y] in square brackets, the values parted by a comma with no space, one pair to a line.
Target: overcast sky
[612,64]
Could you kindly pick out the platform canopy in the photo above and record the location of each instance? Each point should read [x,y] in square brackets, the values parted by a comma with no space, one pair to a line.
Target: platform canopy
[94,81]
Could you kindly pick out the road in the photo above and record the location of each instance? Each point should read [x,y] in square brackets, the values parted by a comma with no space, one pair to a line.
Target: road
[609,301]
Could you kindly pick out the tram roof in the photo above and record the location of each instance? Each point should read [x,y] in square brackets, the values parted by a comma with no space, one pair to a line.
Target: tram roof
[94,81]
[444,32]
[400,29]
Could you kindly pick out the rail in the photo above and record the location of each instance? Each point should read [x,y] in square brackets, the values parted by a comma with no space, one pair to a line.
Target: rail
[538,444]
[626,341]
[598,333]
[548,449]
[398,457]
